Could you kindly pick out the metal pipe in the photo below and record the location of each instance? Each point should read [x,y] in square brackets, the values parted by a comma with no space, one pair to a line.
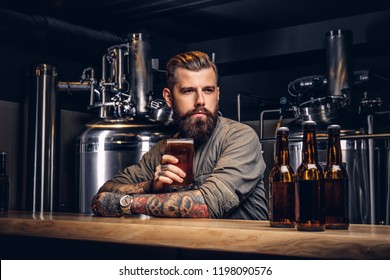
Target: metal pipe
[338,58]
[140,69]
[73,86]
[239,102]
[103,109]
[42,112]
[116,60]
[120,70]
[262,120]
[370,126]
[239,107]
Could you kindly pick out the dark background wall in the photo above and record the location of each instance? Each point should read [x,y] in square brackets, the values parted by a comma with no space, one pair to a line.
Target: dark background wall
[259,63]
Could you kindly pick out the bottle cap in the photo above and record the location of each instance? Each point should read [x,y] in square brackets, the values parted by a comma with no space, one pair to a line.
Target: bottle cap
[334,127]
[309,123]
[283,129]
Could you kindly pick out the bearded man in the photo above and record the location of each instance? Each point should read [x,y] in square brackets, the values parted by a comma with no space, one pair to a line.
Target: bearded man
[228,163]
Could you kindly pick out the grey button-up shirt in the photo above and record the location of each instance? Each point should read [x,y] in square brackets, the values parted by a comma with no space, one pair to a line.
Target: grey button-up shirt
[228,168]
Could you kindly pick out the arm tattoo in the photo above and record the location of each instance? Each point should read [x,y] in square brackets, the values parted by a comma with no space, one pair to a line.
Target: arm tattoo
[188,204]
[106,204]
[141,187]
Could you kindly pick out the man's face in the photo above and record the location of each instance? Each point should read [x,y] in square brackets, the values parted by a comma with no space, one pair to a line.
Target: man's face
[194,101]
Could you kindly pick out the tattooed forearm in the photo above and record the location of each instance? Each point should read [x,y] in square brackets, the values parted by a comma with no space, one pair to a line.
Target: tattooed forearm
[189,204]
[141,187]
[106,204]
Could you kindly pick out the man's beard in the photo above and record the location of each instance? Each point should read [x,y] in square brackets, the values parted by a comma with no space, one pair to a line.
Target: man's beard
[200,130]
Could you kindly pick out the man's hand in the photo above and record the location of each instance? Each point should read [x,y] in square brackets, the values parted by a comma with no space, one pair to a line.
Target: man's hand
[107,204]
[167,173]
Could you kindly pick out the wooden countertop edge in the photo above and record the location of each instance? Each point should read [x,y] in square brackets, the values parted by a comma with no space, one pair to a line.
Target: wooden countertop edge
[195,235]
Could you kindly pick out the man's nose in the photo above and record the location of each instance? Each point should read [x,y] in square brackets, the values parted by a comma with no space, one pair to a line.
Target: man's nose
[200,99]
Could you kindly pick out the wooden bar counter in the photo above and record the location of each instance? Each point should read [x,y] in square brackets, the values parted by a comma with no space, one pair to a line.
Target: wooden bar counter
[135,237]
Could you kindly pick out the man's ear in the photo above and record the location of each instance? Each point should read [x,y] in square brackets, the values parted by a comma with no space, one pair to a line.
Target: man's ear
[167,97]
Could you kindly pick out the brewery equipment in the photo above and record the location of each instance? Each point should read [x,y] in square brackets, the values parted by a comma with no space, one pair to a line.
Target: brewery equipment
[333,98]
[130,120]
[39,173]
[128,125]
[108,145]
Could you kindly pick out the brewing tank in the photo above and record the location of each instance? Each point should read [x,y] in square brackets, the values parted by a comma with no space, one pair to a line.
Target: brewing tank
[105,146]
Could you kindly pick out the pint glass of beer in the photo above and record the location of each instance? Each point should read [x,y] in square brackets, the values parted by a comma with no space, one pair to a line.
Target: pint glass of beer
[183,150]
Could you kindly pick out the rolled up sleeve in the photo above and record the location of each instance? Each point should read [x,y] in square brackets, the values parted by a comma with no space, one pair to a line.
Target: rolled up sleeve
[237,171]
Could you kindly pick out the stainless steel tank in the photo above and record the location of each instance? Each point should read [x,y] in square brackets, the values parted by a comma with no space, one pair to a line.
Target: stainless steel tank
[106,146]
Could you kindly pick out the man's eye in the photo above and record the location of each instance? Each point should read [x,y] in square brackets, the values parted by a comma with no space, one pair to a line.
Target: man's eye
[209,90]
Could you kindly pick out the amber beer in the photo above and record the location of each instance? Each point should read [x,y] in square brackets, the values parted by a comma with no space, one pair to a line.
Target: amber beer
[309,190]
[282,184]
[183,150]
[335,183]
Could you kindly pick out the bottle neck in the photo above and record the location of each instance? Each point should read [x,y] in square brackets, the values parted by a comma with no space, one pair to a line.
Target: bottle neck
[334,149]
[282,150]
[309,151]
[3,164]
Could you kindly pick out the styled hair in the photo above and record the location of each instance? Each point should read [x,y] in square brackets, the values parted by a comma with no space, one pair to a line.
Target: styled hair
[192,60]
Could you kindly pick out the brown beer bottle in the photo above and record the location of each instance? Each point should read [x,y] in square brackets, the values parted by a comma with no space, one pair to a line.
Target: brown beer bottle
[309,190]
[282,184]
[335,183]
